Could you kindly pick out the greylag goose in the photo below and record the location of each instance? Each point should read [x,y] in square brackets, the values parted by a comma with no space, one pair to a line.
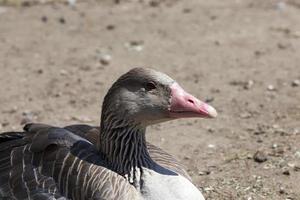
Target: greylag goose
[110,162]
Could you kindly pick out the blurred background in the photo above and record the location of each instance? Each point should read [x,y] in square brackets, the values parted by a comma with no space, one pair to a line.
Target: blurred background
[58,58]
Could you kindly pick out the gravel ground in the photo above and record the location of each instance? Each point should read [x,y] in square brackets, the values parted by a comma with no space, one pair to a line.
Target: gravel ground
[57,62]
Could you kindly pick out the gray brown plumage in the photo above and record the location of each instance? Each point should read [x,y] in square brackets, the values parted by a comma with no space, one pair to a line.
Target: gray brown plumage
[112,161]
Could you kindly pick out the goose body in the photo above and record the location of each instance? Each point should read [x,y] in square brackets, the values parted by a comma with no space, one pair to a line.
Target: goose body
[110,162]
[160,186]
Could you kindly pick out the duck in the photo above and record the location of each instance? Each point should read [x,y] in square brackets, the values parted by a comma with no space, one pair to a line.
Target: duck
[112,161]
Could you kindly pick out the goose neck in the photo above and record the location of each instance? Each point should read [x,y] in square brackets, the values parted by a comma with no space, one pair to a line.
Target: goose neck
[123,145]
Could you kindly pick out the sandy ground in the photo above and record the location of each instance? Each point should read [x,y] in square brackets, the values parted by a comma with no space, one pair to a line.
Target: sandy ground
[242,56]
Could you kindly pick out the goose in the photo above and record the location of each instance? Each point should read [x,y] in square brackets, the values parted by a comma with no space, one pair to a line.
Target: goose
[109,162]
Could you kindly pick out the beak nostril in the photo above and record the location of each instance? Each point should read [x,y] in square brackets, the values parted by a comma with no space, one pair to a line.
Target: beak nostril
[191,101]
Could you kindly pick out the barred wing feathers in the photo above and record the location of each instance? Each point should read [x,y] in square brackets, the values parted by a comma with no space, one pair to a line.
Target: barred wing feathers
[46,162]
[49,163]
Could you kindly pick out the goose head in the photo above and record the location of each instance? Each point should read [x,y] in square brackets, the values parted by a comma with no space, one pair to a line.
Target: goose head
[145,96]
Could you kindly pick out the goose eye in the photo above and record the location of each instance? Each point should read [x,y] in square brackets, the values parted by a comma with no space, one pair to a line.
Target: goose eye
[150,86]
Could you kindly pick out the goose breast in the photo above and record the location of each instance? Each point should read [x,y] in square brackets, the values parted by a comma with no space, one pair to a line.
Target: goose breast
[160,186]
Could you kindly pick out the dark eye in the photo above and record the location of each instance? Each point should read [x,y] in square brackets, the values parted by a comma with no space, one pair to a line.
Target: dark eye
[150,86]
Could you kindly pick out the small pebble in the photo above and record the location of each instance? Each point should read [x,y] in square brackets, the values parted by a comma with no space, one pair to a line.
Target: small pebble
[186,158]
[27,117]
[281,5]
[297,154]
[84,119]
[275,126]
[110,27]
[209,99]
[296,83]
[44,19]
[249,84]
[271,88]
[217,43]
[295,34]
[208,188]
[5,123]
[260,130]
[260,157]
[57,94]
[210,130]
[154,3]
[99,83]
[245,115]
[26,3]
[202,173]
[40,71]
[105,59]
[282,46]
[296,168]
[135,45]
[186,10]
[85,68]
[215,90]
[286,172]
[236,83]
[259,140]
[72,2]
[258,53]
[282,190]
[213,17]
[296,131]
[63,72]
[62,20]
[72,101]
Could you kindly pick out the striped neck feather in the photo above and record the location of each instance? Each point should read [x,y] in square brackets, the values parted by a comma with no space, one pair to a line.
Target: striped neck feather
[124,146]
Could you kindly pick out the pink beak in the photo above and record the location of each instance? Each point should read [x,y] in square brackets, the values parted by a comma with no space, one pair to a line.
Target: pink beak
[185,105]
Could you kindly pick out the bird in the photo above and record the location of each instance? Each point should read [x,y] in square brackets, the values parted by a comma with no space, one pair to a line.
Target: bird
[112,161]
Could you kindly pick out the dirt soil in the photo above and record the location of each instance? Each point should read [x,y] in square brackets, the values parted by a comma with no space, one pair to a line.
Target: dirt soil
[243,57]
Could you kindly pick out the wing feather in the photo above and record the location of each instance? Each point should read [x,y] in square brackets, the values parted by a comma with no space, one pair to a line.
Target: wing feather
[46,162]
